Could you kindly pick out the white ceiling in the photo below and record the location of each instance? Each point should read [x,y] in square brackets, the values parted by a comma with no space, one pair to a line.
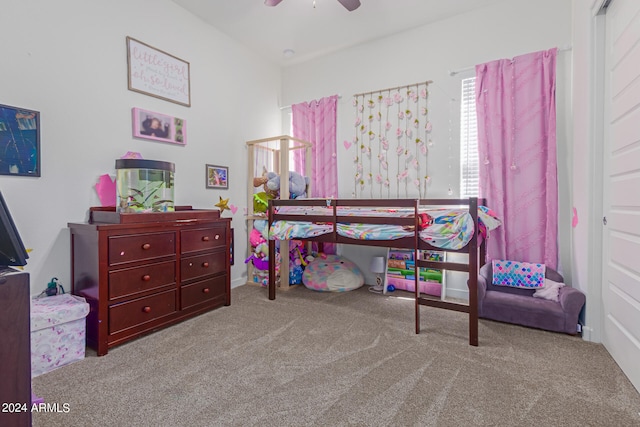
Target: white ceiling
[312,32]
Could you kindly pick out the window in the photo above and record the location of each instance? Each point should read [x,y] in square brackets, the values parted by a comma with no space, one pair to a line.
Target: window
[469,178]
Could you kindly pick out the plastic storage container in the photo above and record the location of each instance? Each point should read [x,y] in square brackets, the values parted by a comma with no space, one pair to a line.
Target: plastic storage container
[57,332]
[144,185]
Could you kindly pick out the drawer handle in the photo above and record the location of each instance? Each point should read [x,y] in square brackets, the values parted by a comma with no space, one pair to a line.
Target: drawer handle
[146,277]
[205,290]
[205,264]
[217,236]
[205,238]
[146,246]
[146,309]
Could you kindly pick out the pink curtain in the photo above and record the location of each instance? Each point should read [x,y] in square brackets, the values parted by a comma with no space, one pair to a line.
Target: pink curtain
[315,122]
[515,103]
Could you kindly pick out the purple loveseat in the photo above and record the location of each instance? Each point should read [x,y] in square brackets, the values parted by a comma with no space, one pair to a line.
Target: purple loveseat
[518,306]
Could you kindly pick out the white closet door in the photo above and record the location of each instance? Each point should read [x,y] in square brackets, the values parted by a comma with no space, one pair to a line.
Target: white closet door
[621,269]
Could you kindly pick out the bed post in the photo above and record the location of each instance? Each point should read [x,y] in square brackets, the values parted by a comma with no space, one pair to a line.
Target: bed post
[473,274]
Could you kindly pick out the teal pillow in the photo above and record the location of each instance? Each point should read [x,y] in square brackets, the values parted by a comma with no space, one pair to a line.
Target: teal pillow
[517,274]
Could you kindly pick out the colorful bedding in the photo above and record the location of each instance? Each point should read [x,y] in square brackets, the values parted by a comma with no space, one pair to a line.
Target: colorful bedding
[453,228]
[449,229]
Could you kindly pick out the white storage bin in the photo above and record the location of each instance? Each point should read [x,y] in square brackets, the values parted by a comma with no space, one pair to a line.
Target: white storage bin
[58,332]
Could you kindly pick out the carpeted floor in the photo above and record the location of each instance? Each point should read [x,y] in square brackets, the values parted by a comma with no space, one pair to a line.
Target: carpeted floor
[319,359]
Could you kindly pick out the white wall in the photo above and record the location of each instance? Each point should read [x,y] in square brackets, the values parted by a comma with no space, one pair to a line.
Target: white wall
[588,80]
[508,29]
[67,59]
[69,63]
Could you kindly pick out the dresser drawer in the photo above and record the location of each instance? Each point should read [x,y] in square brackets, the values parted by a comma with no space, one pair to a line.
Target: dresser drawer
[139,311]
[202,239]
[131,281]
[136,247]
[203,265]
[203,291]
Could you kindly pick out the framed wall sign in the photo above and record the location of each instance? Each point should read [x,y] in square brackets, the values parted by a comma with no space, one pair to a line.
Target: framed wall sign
[158,127]
[217,176]
[19,141]
[157,73]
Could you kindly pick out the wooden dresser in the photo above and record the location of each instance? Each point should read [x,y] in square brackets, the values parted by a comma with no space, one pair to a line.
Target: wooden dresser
[140,272]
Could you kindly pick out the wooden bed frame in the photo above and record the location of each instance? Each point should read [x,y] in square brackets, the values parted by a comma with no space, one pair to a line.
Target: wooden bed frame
[475,248]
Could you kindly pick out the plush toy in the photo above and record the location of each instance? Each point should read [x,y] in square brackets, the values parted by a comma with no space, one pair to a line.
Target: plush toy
[272,184]
[259,263]
[297,184]
[424,220]
[262,250]
[270,192]
[298,261]
[261,202]
[255,237]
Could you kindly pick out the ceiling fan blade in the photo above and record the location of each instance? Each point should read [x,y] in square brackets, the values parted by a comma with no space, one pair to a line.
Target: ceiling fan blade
[272,2]
[350,5]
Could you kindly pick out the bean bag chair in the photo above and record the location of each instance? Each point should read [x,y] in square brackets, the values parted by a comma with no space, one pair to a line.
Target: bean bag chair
[332,273]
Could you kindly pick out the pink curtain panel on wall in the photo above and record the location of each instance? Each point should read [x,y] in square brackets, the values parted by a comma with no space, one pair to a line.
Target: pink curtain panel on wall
[515,104]
[315,121]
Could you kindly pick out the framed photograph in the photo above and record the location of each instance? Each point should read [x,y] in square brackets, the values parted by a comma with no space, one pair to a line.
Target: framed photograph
[19,141]
[158,127]
[157,73]
[217,176]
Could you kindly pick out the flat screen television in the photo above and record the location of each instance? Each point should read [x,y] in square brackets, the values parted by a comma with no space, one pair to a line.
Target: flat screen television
[12,251]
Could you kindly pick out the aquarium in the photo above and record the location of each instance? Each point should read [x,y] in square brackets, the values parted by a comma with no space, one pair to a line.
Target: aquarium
[144,185]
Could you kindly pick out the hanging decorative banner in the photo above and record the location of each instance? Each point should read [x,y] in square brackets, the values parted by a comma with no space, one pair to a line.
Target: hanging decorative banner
[396,120]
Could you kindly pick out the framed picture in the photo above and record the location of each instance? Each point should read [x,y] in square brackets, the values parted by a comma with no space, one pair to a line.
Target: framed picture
[217,176]
[159,127]
[157,73]
[19,141]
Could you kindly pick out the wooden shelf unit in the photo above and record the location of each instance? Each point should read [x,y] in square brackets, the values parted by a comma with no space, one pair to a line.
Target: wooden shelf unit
[408,285]
[272,154]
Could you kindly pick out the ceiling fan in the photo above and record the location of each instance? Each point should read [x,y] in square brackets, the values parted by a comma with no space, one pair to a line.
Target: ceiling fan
[350,5]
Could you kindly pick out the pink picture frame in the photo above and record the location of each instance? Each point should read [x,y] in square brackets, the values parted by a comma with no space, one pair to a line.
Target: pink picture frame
[158,127]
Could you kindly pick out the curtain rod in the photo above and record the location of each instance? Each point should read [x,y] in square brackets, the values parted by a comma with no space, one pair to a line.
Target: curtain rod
[289,106]
[462,70]
[393,88]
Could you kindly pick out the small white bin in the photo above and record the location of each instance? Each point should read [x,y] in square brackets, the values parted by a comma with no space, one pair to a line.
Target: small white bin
[58,331]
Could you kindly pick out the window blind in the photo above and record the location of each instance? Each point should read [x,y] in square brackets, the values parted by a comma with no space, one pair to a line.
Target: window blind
[469,169]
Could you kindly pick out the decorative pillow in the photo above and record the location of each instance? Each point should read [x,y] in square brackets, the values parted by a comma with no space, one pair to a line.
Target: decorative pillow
[518,274]
[332,273]
[550,290]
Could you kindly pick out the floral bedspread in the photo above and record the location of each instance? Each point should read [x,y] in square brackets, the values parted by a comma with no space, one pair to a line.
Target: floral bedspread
[450,228]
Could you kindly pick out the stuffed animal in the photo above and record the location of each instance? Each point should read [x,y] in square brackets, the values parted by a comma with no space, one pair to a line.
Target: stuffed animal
[272,184]
[268,192]
[261,202]
[424,220]
[255,237]
[297,184]
[262,250]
